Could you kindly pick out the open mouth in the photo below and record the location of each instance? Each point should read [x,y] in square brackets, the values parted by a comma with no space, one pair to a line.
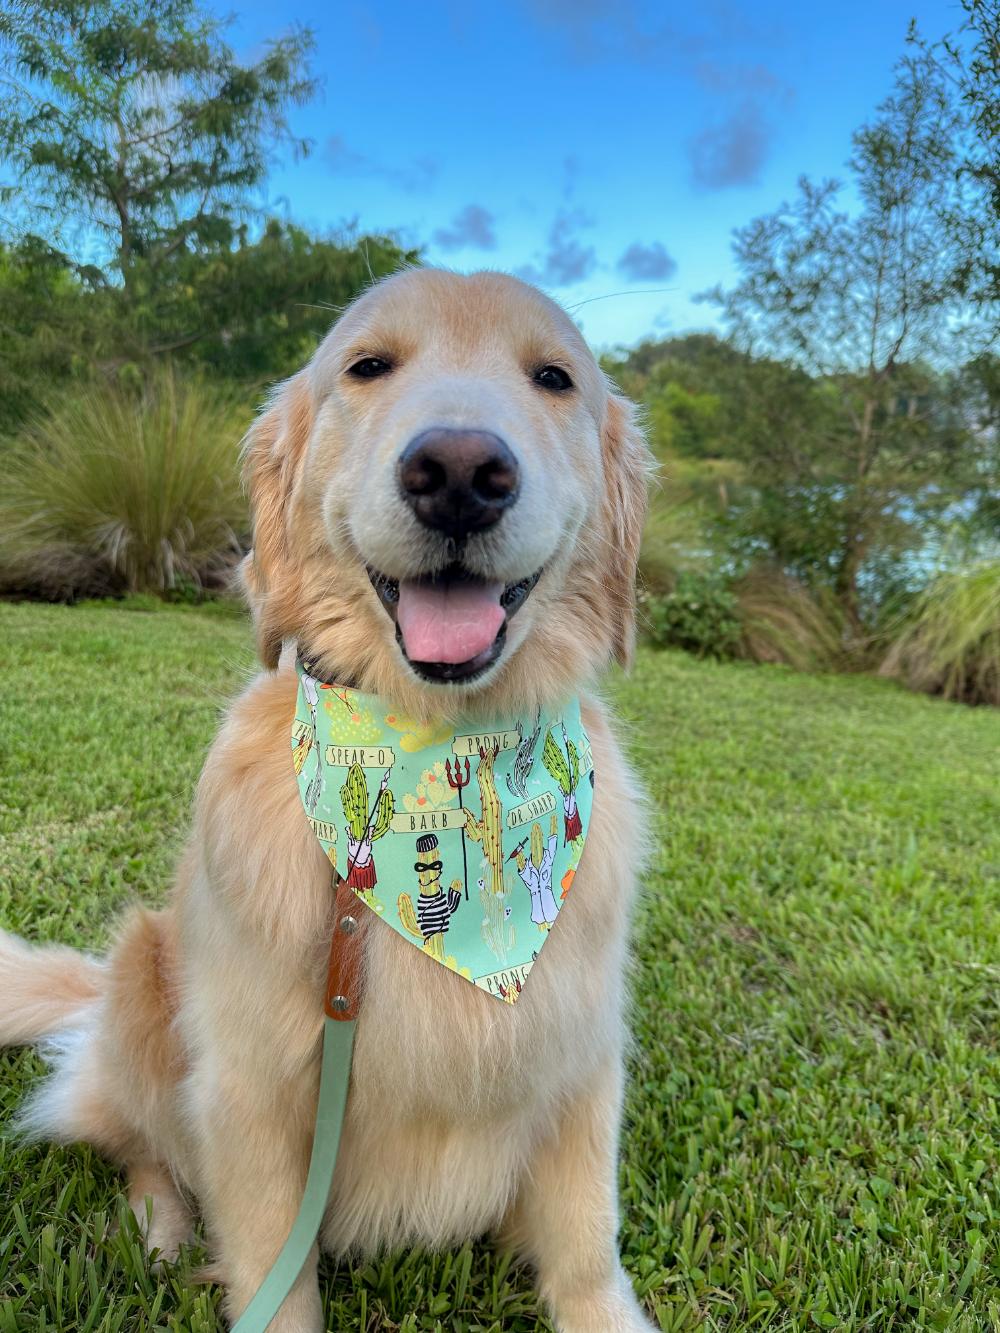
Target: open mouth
[451,626]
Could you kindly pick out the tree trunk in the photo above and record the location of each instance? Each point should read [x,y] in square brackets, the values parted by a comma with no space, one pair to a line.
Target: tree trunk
[855,544]
[846,582]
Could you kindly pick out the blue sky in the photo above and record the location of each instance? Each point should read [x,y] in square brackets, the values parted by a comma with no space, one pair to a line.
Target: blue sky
[593,145]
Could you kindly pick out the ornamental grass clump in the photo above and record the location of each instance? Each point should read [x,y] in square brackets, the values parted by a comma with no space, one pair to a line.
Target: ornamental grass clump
[782,621]
[949,641]
[116,491]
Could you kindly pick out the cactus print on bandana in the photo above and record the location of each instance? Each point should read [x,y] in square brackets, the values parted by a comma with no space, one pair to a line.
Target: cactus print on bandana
[464,840]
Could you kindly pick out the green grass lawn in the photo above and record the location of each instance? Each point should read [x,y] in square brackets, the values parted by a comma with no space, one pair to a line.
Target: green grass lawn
[812,1131]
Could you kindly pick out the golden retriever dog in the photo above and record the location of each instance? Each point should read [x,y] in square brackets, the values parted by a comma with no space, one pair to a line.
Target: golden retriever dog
[451,432]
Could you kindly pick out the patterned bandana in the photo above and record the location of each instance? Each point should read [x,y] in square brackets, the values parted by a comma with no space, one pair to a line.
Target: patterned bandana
[464,840]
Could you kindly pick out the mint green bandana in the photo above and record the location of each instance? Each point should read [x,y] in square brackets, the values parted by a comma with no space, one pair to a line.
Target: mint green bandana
[465,840]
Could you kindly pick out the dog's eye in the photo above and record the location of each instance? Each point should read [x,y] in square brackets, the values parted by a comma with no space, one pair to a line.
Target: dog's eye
[370,367]
[552,377]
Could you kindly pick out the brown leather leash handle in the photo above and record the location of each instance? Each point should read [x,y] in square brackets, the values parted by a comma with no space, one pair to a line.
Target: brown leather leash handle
[344,979]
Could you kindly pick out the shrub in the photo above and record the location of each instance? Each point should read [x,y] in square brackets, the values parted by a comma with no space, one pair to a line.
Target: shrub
[764,616]
[948,643]
[115,491]
[782,621]
[699,615]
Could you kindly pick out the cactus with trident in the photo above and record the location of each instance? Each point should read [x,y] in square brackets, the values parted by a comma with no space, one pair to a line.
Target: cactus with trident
[456,782]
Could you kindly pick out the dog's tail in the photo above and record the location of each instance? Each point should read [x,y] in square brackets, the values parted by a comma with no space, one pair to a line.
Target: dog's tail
[105,1029]
[43,989]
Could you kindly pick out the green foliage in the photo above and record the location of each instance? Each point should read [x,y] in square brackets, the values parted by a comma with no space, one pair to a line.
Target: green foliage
[856,301]
[555,763]
[265,304]
[694,408]
[769,487]
[764,615]
[249,314]
[949,641]
[977,394]
[809,1135]
[114,491]
[140,146]
[698,615]
[758,483]
[969,58]
[48,331]
[138,118]
[691,387]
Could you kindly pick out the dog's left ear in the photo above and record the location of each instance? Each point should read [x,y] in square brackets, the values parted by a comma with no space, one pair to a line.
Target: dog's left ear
[628,464]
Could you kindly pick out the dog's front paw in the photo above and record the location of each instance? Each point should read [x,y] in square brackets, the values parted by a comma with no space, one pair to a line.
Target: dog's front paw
[164,1218]
[612,1311]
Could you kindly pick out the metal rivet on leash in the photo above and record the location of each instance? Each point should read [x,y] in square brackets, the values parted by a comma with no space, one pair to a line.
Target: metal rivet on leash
[348,924]
[339,1003]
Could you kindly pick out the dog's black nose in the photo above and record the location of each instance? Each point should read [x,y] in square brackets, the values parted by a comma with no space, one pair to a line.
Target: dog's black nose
[458,481]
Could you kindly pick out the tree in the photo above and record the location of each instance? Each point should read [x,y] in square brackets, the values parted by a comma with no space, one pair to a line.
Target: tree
[977,388]
[969,60]
[135,135]
[140,147]
[274,297]
[45,323]
[732,432]
[262,306]
[862,301]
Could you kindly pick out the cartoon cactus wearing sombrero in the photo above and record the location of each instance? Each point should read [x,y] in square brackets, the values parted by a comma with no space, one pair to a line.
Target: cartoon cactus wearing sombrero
[565,768]
[364,826]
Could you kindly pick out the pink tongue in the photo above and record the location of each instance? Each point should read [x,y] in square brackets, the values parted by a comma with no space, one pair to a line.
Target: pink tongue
[448,622]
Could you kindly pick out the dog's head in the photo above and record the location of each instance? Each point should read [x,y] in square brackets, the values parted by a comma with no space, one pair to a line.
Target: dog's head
[448,500]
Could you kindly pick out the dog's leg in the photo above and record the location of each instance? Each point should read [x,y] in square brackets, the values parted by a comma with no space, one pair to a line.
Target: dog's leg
[566,1218]
[253,1170]
[166,1224]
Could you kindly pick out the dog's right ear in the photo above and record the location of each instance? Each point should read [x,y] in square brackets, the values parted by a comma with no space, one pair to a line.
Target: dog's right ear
[272,454]
[628,465]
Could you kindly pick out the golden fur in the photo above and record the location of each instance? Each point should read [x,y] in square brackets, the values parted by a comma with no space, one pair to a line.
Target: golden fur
[191,1055]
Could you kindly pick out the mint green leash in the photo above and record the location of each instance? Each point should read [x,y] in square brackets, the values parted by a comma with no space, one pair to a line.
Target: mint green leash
[335,1075]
